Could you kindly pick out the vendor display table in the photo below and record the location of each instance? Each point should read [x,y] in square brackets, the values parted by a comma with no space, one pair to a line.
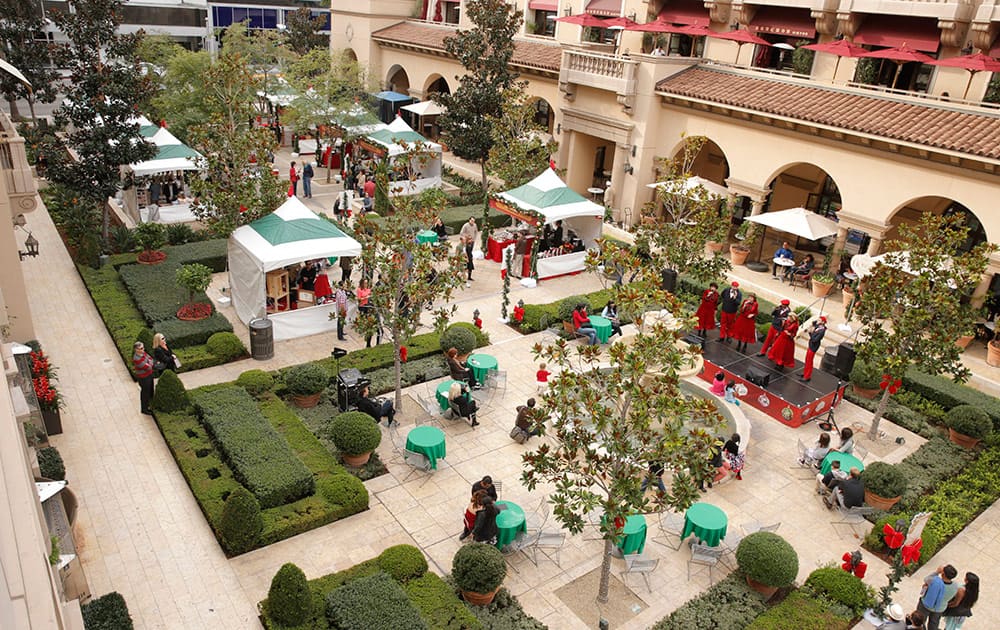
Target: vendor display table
[510,521]
[846,462]
[442,393]
[552,266]
[427,236]
[707,522]
[427,440]
[494,249]
[481,364]
[603,327]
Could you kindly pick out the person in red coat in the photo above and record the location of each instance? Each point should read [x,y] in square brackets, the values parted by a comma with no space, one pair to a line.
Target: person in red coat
[706,310]
[778,316]
[745,328]
[783,350]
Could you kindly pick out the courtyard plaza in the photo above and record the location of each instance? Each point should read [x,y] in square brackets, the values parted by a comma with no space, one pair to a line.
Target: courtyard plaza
[141,532]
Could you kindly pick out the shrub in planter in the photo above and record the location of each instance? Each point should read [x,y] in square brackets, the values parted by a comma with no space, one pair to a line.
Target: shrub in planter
[307,379]
[108,612]
[403,562]
[150,237]
[50,464]
[970,421]
[460,338]
[226,345]
[884,480]
[256,382]
[354,433]
[241,523]
[169,395]
[374,602]
[478,568]
[344,490]
[767,558]
[865,375]
[568,305]
[289,601]
[842,587]
[194,278]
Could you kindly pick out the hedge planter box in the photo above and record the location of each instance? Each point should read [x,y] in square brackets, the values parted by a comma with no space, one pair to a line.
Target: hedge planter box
[307,401]
[958,438]
[865,392]
[53,421]
[767,591]
[880,503]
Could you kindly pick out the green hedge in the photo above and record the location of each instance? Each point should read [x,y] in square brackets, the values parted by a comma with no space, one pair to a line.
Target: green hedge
[842,587]
[935,461]
[376,602]
[949,394]
[181,334]
[799,610]
[439,607]
[728,605]
[897,413]
[108,612]
[155,291]
[260,457]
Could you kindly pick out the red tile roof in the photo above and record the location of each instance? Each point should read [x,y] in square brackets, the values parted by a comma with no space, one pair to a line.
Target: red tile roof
[528,54]
[933,126]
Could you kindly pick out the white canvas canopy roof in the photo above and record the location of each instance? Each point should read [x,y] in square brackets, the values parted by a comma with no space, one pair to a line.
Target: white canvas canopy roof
[172,154]
[424,108]
[548,195]
[397,132]
[398,140]
[686,186]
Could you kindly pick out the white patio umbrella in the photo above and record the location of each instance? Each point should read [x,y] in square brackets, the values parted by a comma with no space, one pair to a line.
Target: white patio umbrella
[797,221]
[683,187]
[424,108]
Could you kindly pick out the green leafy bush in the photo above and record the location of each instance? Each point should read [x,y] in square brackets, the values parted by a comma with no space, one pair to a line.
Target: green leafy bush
[414,372]
[842,587]
[970,421]
[50,463]
[728,605]
[865,375]
[438,605]
[241,523]
[170,394]
[918,403]
[194,278]
[898,414]
[226,345]
[146,337]
[108,612]
[256,382]
[344,490]
[289,601]
[261,459]
[767,558]
[460,338]
[403,562]
[884,480]
[149,235]
[798,610]
[306,379]
[119,313]
[948,393]
[936,460]
[122,239]
[180,233]
[376,602]
[568,305]
[482,338]
[354,433]
[186,334]
[478,568]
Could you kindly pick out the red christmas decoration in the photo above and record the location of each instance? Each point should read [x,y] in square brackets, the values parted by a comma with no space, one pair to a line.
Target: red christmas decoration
[911,552]
[895,386]
[503,274]
[518,314]
[478,322]
[403,353]
[893,539]
[619,523]
[886,379]
[853,564]
[860,569]
[243,209]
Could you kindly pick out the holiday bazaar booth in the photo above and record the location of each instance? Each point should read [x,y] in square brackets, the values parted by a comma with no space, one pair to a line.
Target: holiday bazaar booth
[263,259]
[415,161]
[160,191]
[543,202]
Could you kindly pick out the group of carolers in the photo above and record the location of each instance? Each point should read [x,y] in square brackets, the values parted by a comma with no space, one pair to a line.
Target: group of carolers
[738,320]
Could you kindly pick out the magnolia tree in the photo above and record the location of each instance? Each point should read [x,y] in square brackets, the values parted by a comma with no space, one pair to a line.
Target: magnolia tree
[911,308]
[521,147]
[612,416]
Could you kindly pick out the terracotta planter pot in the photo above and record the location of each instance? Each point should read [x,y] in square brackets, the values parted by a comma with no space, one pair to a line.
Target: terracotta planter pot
[964,341]
[480,599]
[821,289]
[152,257]
[767,591]
[357,461]
[870,394]
[880,503]
[961,439]
[993,354]
[307,401]
[713,247]
[738,254]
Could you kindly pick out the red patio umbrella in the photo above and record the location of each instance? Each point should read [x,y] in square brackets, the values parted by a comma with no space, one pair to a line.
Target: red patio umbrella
[656,26]
[973,63]
[583,19]
[740,37]
[903,54]
[620,22]
[841,48]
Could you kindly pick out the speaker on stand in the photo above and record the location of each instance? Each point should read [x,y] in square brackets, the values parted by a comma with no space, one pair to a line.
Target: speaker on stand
[845,360]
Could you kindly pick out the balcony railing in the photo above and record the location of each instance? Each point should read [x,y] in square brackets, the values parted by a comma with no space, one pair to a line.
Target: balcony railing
[604,72]
[16,170]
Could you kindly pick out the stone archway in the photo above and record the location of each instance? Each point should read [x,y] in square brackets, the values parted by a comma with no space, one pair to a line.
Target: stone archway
[396,80]
[910,212]
[436,84]
[545,115]
[804,185]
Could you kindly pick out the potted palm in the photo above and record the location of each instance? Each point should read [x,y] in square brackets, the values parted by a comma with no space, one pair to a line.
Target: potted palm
[478,570]
[305,384]
[865,380]
[768,562]
[967,425]
[355,436]
[884,485]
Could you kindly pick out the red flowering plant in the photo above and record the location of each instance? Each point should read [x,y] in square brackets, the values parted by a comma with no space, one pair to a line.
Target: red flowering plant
[40,365]
[43,375]
[902,555]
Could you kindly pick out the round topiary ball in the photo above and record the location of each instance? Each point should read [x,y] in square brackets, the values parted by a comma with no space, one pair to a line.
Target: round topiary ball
[355,433]
[460,338]
[241,523]
[344,490]
[256,382]
[50,463]
[767,558]
[971,421]
[478,568]
[568,305]
[226,345]
[170,394]
[884,480]
[865,375]
[403,562]
[289,601]
[306,379]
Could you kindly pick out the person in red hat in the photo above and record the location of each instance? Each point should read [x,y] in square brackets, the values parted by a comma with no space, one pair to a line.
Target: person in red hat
[778,316]
[706,310]
[816,334]
[745,328]
[783,350]
[731,300]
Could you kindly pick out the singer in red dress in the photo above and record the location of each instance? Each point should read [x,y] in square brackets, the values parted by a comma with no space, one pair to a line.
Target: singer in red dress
[745,328]
[706,310]
[783,350]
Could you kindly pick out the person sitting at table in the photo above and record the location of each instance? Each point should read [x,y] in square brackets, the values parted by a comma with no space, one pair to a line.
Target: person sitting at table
[847,493]
[439,229]
[581,323]
[460,371]
[459,394]
[825,483]
[377,408]
[471,511]
[485,529]
[781,252]
[486,483]
[307,275]
[802,270]
[556,236]
[842,270]
[817,453]
[611,312]
[846,441]
[525,421]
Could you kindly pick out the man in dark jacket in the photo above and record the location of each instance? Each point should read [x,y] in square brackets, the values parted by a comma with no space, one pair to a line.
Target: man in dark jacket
[486,483]
[778,316]
[376,408]
[731,300]
[816,334]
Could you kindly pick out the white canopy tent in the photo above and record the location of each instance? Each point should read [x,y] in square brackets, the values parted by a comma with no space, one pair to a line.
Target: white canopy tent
[797,221]
[290,235]
[172,156]
[398,140]
[686,186]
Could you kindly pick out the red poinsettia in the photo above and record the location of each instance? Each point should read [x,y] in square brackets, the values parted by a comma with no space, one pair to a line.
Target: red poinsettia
[893,538]
[40,365]
[518,314]
[403,353]
[911,552]
[48,398]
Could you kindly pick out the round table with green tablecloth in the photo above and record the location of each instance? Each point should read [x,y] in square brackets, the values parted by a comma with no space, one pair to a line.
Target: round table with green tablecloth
[846,462]
[633,536]
[427,236]
[603,327]
[442,393]
[481,364]
[510,521]
[427,440]
[707,522]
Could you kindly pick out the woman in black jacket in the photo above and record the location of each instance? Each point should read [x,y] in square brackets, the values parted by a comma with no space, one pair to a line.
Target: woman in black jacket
[485,529]
[163,358]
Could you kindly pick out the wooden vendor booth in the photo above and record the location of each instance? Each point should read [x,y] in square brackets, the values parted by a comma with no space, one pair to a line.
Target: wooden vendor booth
[544,201]
[159,192]
[262,259]
[414,157]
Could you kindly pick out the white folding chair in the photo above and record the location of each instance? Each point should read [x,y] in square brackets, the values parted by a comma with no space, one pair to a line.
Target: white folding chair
[499,486]
[671,527]
[706,556]
[729,546]
[548,540]
[430,407]
[521,542]
[639,563]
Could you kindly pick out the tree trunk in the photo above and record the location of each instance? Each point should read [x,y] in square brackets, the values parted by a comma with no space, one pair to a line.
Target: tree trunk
[31,108]
[14,115]
[105,225]
[486,205]
[602,591]
[329,162]
[879,411]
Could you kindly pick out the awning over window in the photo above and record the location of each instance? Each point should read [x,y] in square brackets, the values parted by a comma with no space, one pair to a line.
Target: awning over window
[605,8]
[685,12]
[788,21]
[544,5]
[895,30]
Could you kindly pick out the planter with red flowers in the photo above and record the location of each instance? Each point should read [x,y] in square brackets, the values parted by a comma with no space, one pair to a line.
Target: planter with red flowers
[150,237]
[195,278]
[43,377]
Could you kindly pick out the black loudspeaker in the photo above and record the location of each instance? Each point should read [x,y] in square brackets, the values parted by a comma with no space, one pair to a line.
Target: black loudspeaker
[694,340]
[758,378]
[829,362]
[845,360]
[668,280]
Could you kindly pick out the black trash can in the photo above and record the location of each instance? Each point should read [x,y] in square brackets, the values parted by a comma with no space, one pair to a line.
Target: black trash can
[261,339]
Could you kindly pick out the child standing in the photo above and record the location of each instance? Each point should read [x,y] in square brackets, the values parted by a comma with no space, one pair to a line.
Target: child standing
[542,377]
[731,393]
[719,384]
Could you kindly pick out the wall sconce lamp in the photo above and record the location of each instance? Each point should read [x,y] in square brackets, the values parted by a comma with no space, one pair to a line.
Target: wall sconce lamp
[568,11]
[558,129]
[629,169]
[735,26]
[632,16]
[31,247]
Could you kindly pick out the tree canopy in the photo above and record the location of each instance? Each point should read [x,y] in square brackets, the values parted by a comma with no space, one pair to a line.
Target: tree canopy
[21,23]
[521,147]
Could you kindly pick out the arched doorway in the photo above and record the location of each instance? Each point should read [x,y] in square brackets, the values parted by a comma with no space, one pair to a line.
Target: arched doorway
[397,80]
[545,116]
[436,84]
[351,55]
[693,156]
[805,185]
[910,212]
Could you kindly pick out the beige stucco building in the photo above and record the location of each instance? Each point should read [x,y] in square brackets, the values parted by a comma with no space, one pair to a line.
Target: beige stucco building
[868,154]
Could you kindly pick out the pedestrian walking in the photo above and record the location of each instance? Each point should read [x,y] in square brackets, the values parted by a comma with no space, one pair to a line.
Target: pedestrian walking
[142,364]
[307,175]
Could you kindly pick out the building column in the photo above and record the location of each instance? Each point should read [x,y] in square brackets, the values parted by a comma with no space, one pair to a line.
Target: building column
[979,294]
[756,206]
[874,246]
[618,173]
[838,247]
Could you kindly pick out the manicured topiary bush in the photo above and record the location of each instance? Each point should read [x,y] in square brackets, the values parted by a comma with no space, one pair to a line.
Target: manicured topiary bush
[289,601]
[226,345]
[568,305]
[884,480]
[170,394]
[146,337]
[50,464]
[256,382]
[478,568]
[865,375]
[842,587]
[344,490]
[730,603]
[460,338]
[403,562]
[306,379]
[241,522]
[354,433]
[949,394]
[441,608]
[970,421]
[108,612]
[375,602]
[767,558]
